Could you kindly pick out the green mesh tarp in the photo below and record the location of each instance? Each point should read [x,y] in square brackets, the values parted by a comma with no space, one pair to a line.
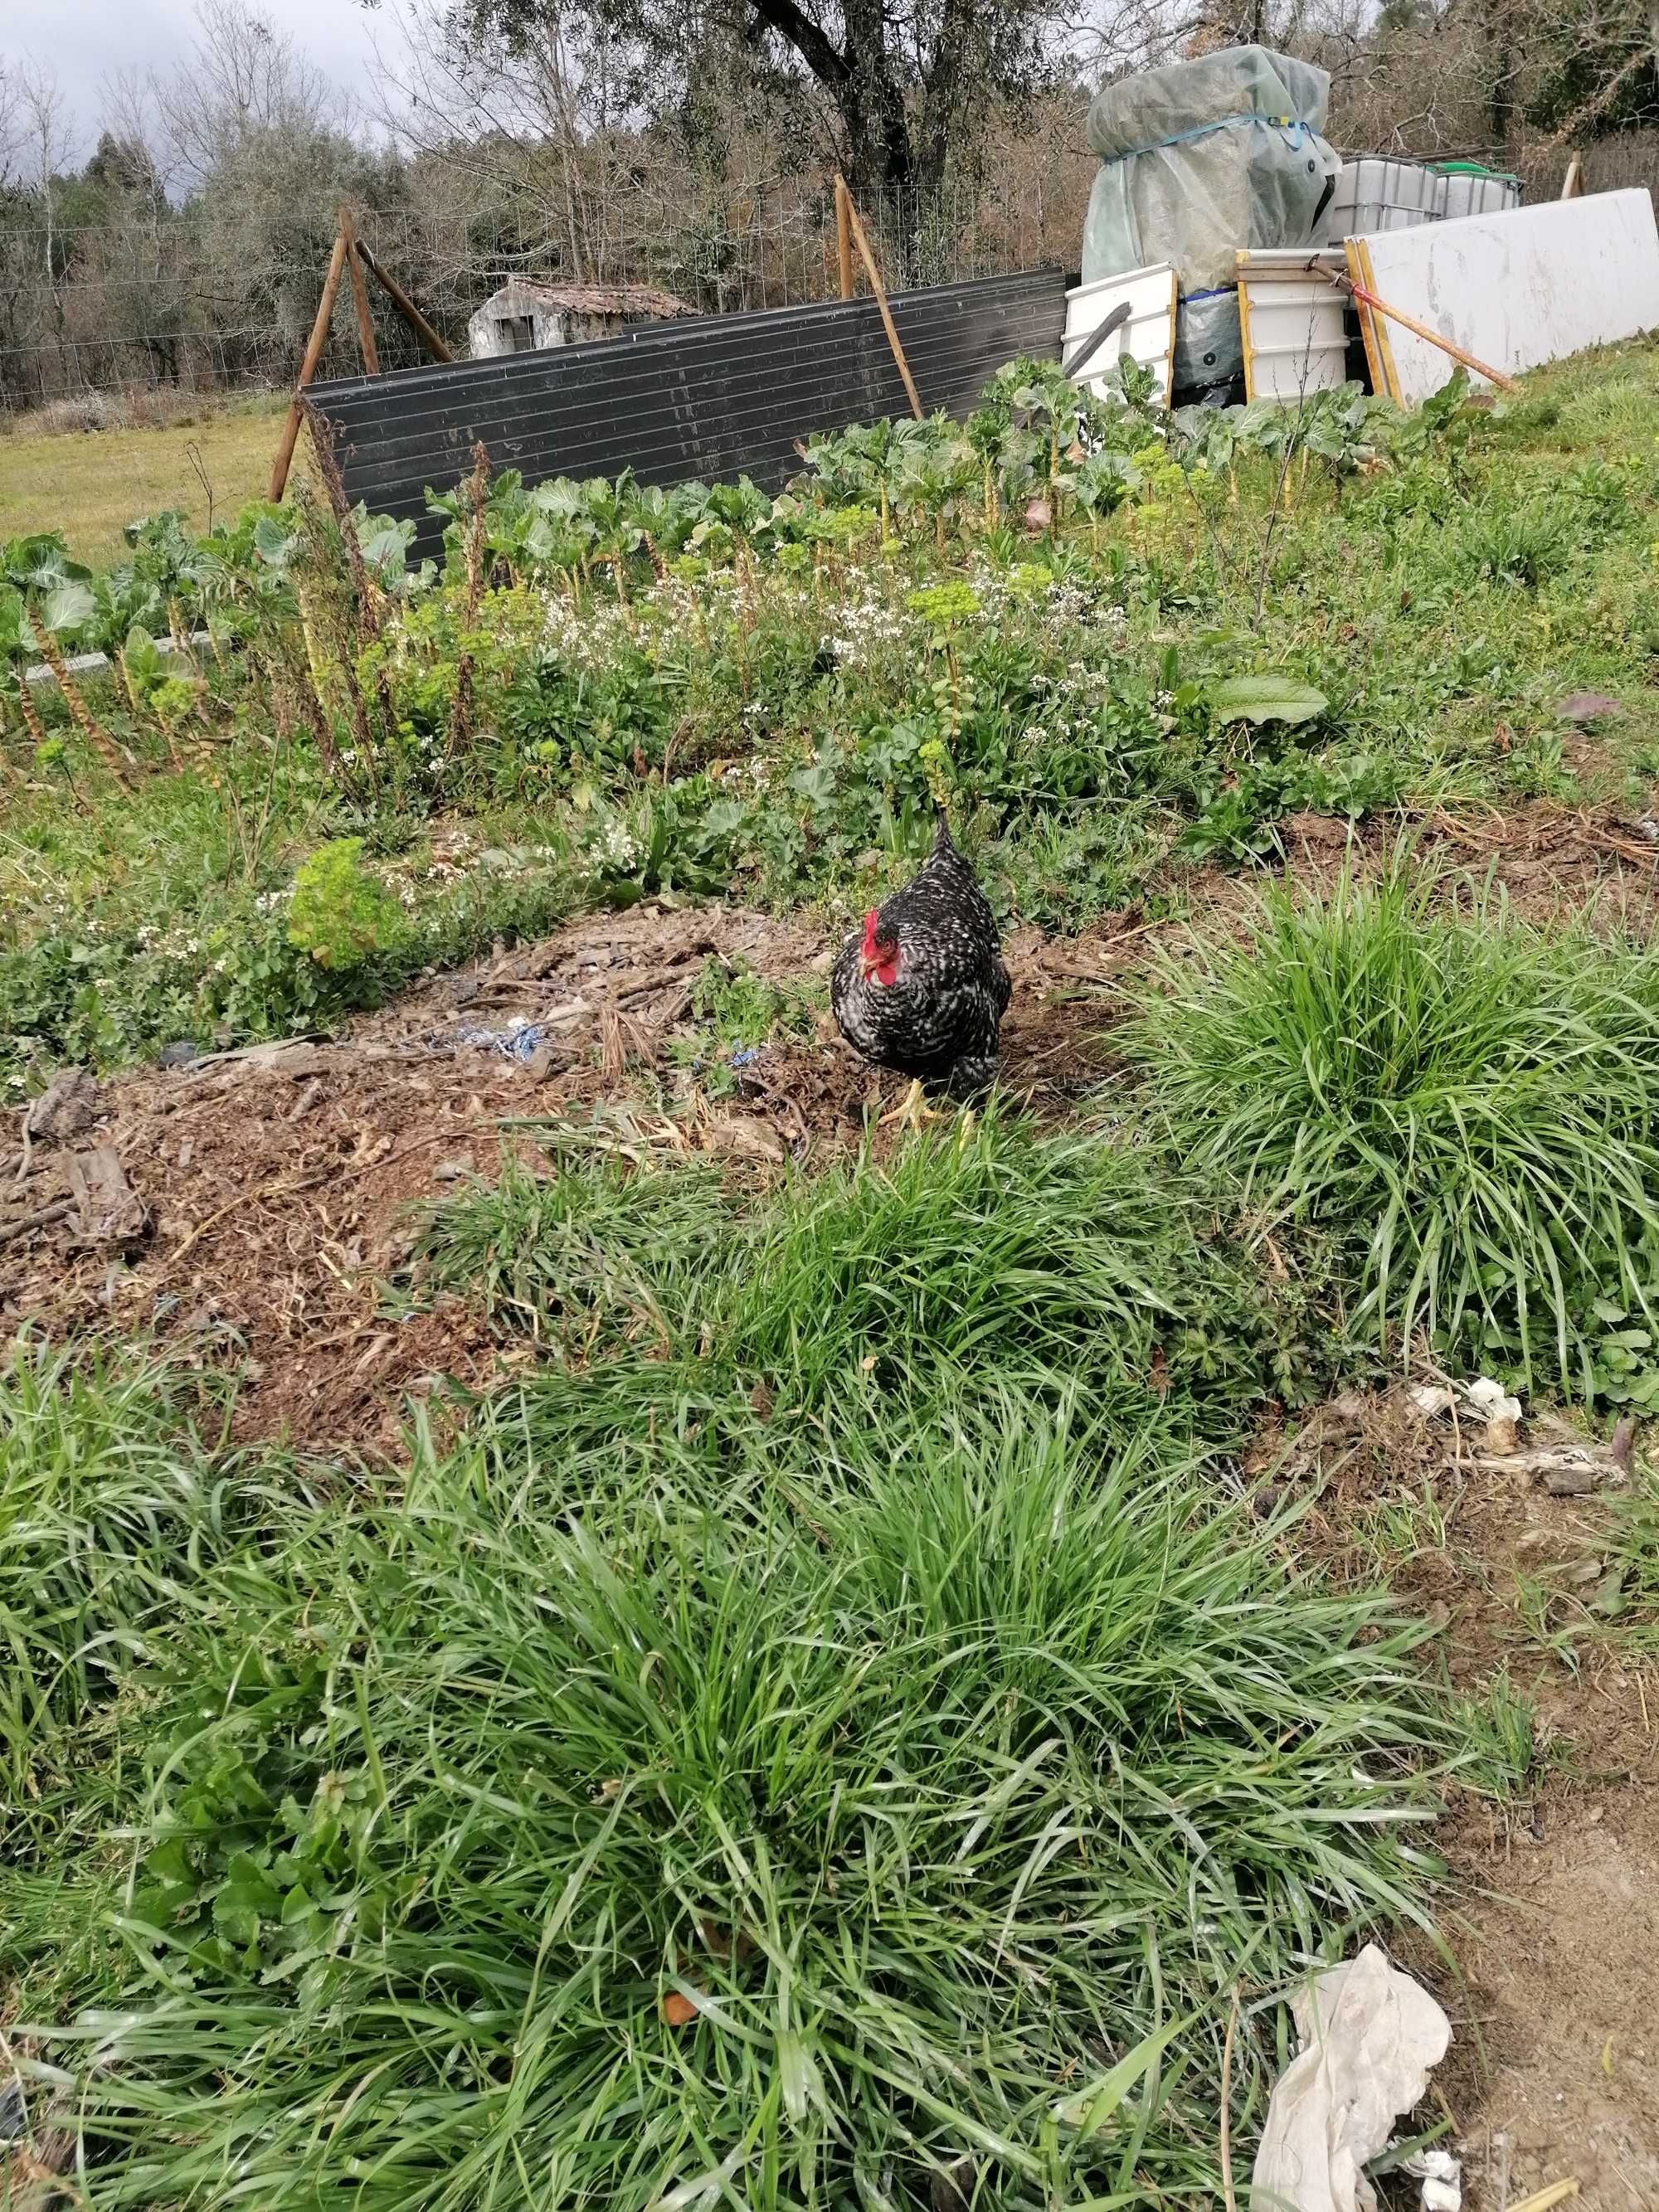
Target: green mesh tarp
[1197,159]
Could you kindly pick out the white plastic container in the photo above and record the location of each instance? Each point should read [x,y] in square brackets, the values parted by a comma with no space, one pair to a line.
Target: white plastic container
[1374,194]
[1462,192]
[1292,321]
[1148,336]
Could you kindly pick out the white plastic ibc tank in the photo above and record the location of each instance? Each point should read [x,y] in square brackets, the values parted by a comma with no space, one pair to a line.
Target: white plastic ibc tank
[1374,194]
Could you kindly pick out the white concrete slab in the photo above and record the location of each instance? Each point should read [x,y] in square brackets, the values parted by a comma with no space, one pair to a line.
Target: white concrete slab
[1515,289]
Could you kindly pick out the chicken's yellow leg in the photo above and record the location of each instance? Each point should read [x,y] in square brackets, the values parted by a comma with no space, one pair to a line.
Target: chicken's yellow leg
[913,1112]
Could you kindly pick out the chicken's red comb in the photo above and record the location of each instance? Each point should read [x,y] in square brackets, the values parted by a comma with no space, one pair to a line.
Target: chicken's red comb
[870,922]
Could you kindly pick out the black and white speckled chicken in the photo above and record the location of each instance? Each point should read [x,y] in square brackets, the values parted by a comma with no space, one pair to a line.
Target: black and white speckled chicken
[921,987]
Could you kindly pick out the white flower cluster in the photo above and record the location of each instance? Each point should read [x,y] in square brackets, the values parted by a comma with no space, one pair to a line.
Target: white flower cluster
[615,846]
[867,624]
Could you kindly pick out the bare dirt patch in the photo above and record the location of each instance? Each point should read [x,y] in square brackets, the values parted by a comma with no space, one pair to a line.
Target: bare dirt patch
[274,1185]
[1552,1906]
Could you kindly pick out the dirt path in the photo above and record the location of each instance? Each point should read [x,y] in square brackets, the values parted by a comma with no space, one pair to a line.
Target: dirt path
[1553,1905]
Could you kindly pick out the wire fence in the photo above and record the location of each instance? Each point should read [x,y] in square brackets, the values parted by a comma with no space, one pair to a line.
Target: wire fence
[193,303]
[167,305]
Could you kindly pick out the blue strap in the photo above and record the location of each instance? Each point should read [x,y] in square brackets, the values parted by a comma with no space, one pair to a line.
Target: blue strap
[1293,124]
[1217,292]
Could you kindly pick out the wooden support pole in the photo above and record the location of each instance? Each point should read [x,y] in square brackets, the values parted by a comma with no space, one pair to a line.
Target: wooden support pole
[284,460]
[405,306]
[1422,330]
[1572,187]
[843,237]
[845,199]
[360,295]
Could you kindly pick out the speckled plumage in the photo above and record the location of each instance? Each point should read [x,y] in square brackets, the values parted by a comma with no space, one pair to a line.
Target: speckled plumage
[938,1018]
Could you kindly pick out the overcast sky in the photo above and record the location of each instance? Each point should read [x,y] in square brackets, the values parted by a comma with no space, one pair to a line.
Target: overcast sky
[86,40]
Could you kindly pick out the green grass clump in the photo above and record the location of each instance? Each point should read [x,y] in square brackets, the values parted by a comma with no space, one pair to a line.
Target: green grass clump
[100,1516]
[602,1837]
[1470,1106]
[987,1251]
[1634,1551]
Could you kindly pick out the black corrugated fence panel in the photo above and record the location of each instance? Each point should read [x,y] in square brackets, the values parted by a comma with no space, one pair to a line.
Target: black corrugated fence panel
[715,396]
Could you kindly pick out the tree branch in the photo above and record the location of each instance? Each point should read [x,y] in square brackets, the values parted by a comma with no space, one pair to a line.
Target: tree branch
[825,61]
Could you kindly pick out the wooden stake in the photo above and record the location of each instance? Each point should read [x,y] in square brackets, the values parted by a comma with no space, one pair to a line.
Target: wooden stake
[284,460]
[845,199]
[1572,187]
[360,295]
[1422,330]
[1542,2199]
[405,306]
[843,237]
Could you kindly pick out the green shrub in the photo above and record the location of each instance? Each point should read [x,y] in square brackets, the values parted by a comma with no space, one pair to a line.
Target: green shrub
[340,913]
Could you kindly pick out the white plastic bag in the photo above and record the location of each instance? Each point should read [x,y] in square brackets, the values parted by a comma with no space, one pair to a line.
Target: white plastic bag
[1371,2036]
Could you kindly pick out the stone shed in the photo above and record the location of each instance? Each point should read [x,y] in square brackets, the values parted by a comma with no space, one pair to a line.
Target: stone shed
[524,315]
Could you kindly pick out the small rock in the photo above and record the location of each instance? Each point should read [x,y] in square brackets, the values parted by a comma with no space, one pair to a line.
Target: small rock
[1608,1596]
[1348,1410]
[184,1053]
[950,2188]
[1587,707]
[541,1063]
[67,1108]
[1576,1480]
[1430,1398]
[748,1137]
[1621,1450]
[452,1170]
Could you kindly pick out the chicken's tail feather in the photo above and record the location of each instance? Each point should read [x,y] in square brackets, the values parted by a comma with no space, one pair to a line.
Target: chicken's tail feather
[943,841]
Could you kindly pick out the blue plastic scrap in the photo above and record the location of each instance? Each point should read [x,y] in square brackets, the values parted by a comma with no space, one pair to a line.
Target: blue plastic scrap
[520,1040]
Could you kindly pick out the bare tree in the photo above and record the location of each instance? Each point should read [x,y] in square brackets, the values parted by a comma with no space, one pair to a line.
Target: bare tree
[48,146]
[246,81]
[11,148]
[536,124]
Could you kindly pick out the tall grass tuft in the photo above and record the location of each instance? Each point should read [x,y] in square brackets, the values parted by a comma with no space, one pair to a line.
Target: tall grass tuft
[905,1808]
[100,1517]
[1470,1106]
[969,1257]
[1634,1548]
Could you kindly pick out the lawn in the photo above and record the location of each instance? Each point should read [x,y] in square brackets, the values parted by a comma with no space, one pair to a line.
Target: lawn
[590,1621]
[90,484]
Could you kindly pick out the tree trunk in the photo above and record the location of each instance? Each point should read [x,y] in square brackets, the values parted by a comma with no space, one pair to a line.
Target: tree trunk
[860,76]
